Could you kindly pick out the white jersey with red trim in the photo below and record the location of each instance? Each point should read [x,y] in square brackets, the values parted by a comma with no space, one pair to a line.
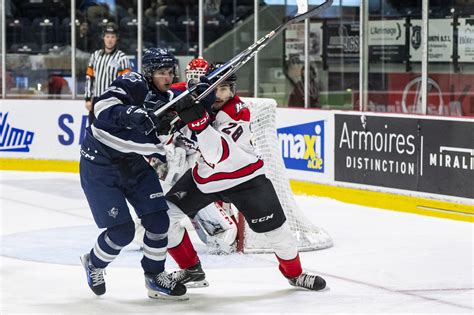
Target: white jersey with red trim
[228,157]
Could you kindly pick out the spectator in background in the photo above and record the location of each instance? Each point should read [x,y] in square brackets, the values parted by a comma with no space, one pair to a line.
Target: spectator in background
[9,81]
[212,7]
[57,86]
[296,98]
[105,65]
[84,41]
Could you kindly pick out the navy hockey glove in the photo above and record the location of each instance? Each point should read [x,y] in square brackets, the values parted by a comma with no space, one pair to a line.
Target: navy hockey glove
[184,103]
[139,118]
[164,123]
[202,86]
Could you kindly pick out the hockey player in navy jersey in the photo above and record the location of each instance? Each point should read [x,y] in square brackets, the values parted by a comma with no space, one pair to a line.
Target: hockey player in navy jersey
[113,171]
[230,170]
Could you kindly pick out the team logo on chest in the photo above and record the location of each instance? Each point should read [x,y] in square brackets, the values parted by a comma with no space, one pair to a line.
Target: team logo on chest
[114,63]
[239,106]
[113,212]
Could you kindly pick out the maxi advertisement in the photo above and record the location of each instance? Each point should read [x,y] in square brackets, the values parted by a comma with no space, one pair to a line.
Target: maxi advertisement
[303,146]
[425,155]
[306,143]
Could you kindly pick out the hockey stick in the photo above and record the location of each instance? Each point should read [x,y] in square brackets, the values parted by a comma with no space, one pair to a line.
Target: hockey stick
[242,58]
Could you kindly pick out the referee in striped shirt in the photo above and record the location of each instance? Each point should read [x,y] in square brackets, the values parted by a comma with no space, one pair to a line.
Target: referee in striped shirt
[105,65]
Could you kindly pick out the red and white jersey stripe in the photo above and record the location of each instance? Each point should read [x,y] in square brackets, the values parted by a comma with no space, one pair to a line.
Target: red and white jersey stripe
[228,157]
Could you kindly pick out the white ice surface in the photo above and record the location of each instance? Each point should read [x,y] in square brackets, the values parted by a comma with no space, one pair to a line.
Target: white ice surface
[382,262]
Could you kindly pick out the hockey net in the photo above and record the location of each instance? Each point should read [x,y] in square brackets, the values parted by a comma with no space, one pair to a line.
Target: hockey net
[309,237]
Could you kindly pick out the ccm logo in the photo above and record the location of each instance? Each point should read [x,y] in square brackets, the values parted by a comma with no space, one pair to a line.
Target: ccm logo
[201,122]
[263,219]
[156,195]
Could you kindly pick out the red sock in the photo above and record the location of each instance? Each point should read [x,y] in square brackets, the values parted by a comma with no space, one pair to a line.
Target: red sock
[184,254]
[290,268]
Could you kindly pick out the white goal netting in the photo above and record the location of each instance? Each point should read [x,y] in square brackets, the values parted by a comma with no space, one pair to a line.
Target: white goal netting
[308,236]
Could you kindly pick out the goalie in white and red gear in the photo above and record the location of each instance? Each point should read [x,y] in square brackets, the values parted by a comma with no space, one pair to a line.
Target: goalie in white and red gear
[195,69]
[229,169]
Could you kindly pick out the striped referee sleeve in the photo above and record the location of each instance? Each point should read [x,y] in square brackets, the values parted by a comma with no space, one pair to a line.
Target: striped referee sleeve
[90,77]
[125,65]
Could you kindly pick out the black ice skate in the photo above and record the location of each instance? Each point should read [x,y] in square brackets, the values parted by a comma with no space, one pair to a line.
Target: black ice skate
[95,276]
[308,281]
[162,286]
[192,277]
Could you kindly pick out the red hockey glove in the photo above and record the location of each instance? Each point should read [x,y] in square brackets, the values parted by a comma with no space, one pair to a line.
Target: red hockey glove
[196,116]
[201,123]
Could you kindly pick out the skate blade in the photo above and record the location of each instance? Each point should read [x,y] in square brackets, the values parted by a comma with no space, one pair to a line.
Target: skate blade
[306,289]
[162,296]
[197,284]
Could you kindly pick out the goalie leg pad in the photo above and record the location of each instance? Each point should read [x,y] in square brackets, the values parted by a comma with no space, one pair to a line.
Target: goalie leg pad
[214,220]
[216,229]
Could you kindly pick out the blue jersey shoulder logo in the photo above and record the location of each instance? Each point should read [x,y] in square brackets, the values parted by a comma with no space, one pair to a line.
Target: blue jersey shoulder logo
[13,139]
[303,146]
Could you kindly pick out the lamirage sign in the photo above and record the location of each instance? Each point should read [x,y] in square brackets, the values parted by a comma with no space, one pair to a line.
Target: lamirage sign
[387,40]
[433,156]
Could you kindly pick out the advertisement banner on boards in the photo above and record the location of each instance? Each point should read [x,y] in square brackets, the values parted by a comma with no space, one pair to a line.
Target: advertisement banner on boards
[42,129]
[387,40]
[306,144]
[440,40]
[433,156]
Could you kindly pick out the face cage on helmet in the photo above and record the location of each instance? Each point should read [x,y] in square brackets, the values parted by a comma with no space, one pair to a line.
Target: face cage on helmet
[194,74]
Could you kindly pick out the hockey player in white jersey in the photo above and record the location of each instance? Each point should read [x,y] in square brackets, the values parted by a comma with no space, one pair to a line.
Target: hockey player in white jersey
[215,224]
[229,169]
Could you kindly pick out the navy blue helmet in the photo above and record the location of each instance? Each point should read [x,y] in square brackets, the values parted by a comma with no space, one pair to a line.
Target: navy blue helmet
[157,58]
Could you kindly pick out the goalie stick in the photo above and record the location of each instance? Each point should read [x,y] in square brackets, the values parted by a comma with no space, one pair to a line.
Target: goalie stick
[242,58]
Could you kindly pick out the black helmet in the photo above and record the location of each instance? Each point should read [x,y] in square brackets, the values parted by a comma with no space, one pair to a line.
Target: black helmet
[157,58]
[110,28]
[230,80]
